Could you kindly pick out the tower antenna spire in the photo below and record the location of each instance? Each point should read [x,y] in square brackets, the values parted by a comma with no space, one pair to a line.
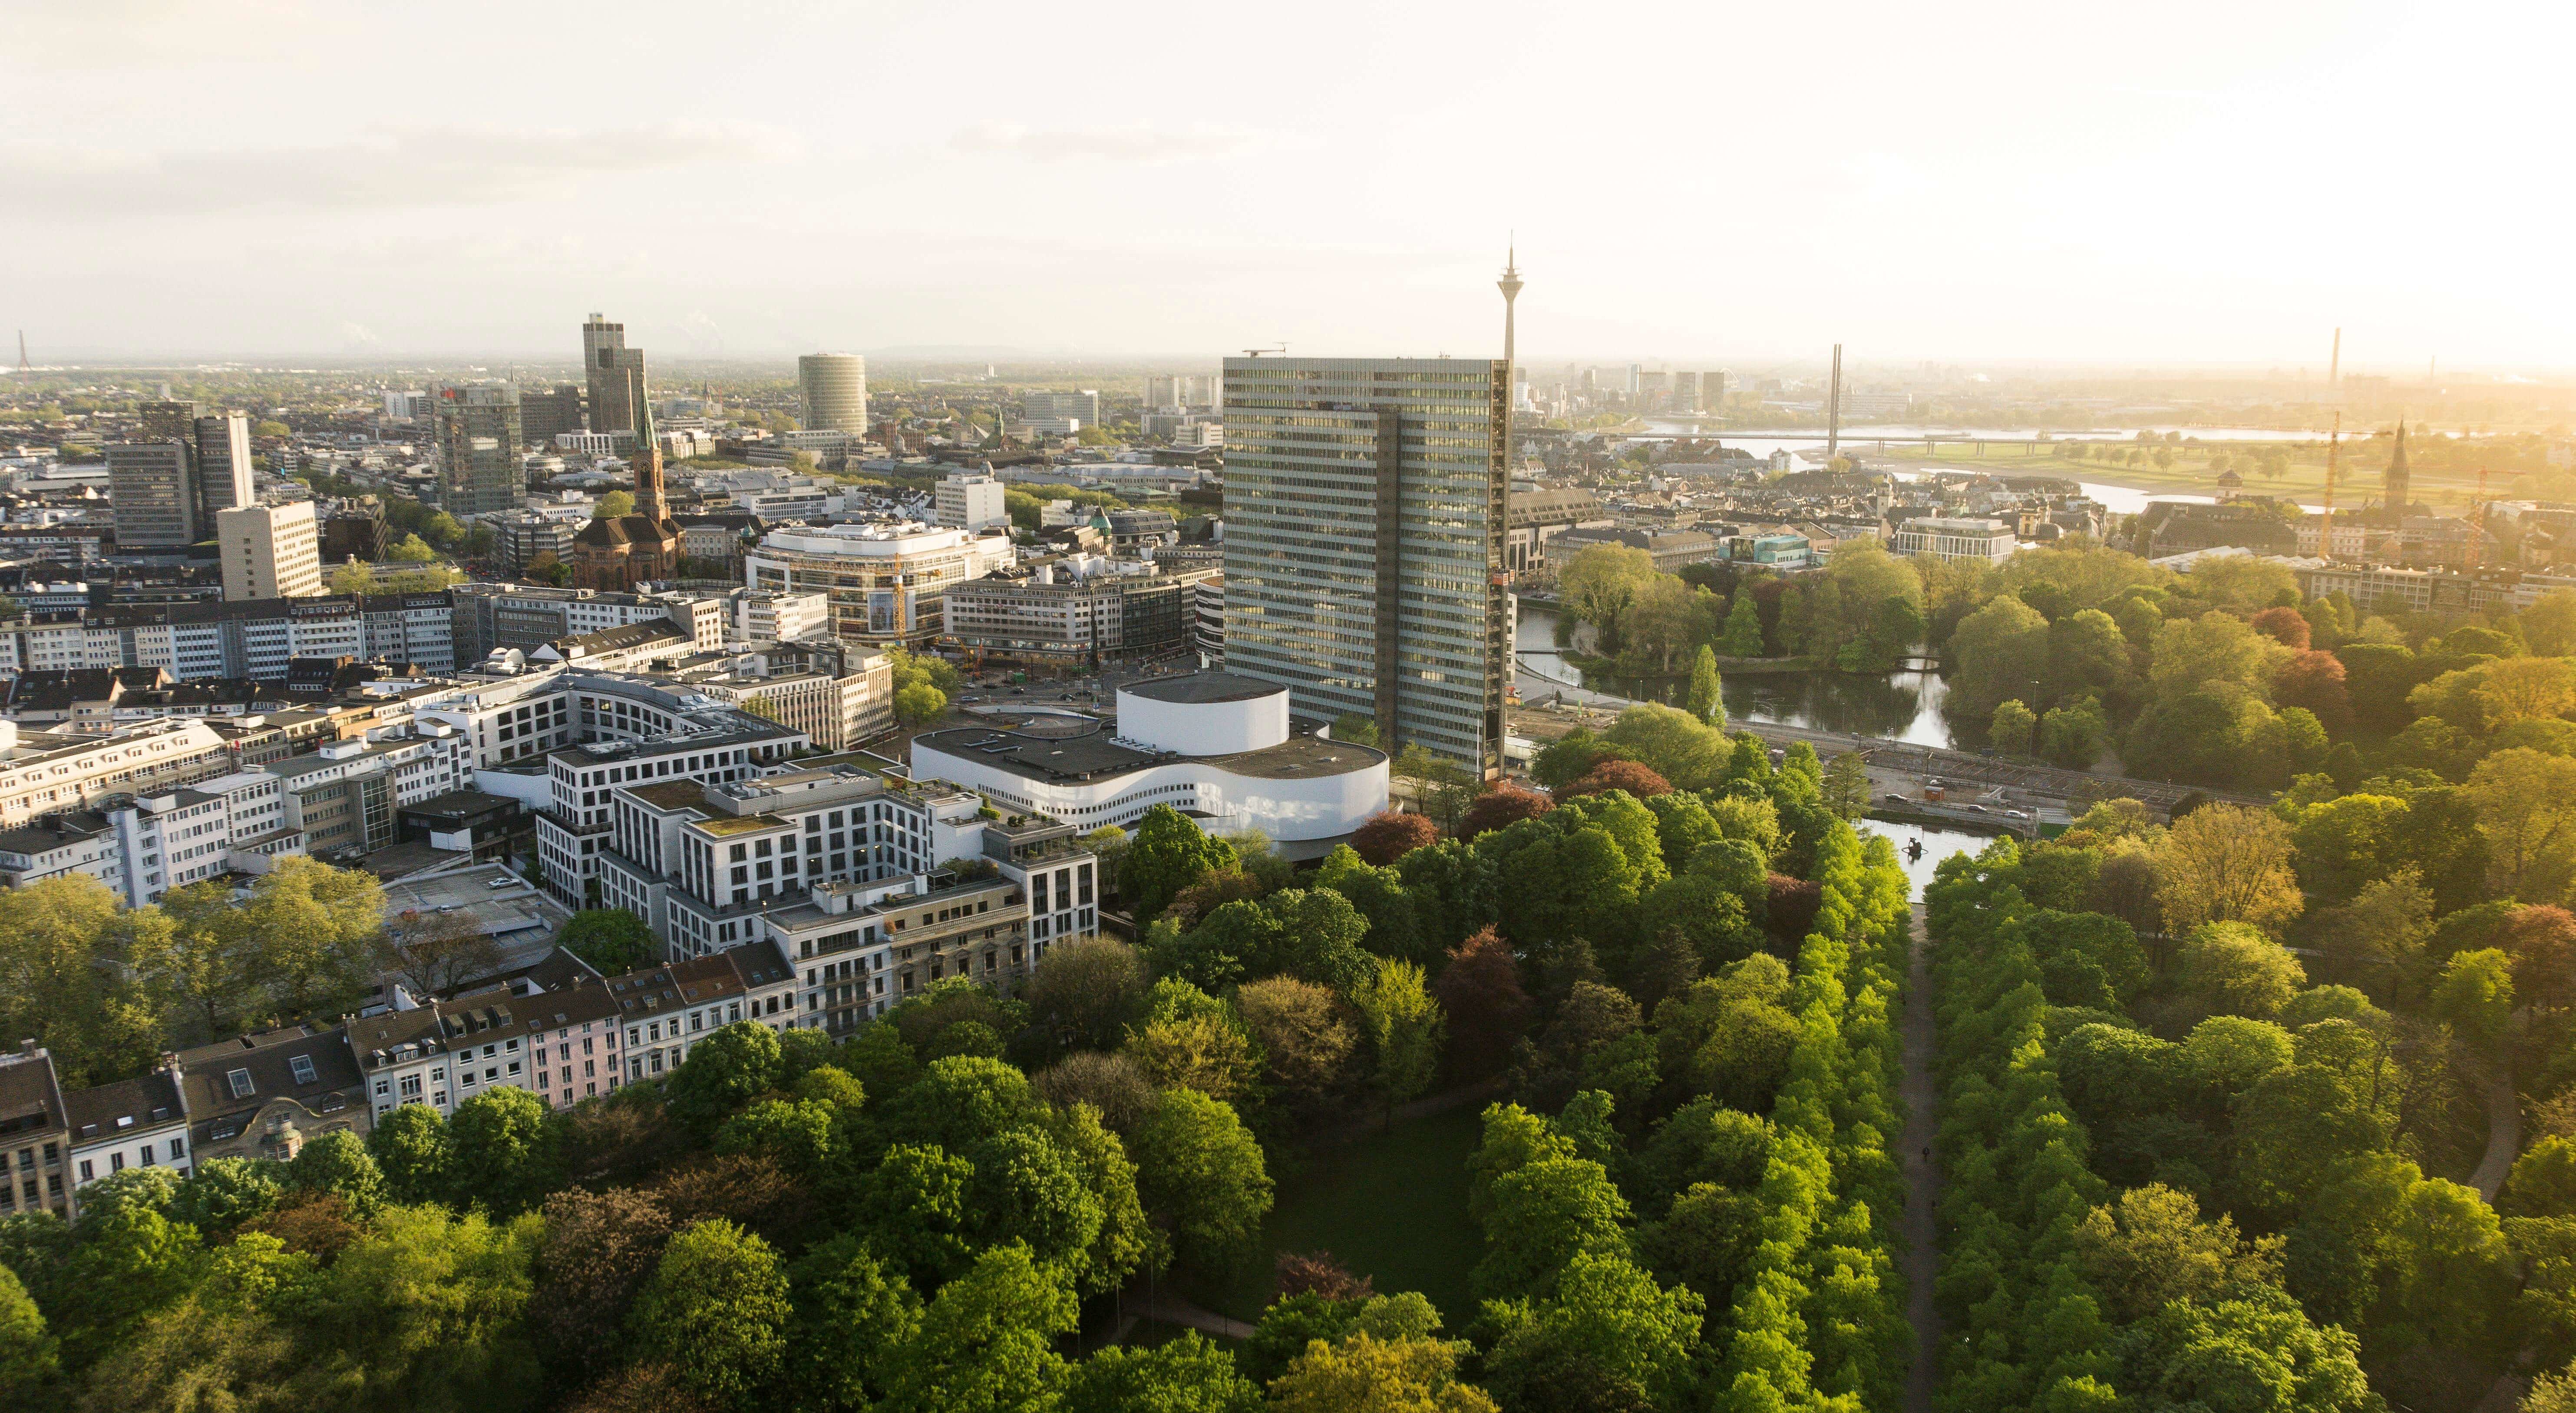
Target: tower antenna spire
[1510,285]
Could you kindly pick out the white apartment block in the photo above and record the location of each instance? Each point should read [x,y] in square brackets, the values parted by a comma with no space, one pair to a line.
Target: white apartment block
[43,772]
[254,638]
[780,618]
[134,1123]
[970,501]
[269,551]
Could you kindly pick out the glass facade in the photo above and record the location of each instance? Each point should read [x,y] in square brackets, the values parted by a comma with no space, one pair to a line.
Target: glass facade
[1364,541]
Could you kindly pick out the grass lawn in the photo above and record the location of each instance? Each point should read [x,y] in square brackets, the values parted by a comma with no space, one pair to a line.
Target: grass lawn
[1391,1206]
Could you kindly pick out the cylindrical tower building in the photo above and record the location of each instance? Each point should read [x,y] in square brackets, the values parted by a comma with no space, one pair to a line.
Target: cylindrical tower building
[835,386]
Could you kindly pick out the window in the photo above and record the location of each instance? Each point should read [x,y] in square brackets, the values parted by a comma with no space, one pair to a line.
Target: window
[302,1065]
[239,1081]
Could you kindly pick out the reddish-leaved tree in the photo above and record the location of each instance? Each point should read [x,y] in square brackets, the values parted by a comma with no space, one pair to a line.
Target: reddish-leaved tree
[1320,1273]
[1792,906]
[2541,939]
[1386,837]
[1628,775]
[2286,624]
[1501,807]
[1480,991]
[2314,680]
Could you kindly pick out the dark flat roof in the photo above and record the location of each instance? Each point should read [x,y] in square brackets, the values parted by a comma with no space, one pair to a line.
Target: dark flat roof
[1201,687]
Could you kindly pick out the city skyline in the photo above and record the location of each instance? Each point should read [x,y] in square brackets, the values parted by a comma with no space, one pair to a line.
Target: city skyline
[2167,201]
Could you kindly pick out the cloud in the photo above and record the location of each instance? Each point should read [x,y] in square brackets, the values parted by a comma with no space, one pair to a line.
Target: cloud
[1131,144]
[452,167]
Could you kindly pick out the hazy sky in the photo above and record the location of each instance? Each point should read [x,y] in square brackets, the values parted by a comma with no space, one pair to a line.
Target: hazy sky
[1705,183]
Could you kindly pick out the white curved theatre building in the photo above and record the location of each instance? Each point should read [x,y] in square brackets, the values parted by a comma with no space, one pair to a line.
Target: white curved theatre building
[1211,745]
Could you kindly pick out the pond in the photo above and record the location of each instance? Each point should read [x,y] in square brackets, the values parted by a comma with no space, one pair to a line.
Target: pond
[1938,844]
[1899,706]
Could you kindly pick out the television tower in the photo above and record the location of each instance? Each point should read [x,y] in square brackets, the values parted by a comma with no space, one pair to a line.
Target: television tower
[1510,285]
[23,366]
[1834,407]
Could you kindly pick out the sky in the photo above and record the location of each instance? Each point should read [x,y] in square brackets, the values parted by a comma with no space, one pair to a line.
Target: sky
[2188,184]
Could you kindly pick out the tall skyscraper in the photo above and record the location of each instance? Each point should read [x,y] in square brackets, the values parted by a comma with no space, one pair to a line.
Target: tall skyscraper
[1364,542]
[270,551]
[223,466]
[1686,392]
[152,493]
[479,436]
[183,467]
[616,378]
[835,386]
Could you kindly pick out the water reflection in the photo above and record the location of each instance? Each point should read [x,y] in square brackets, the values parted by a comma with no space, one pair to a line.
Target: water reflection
[1938,844]
[1900,706]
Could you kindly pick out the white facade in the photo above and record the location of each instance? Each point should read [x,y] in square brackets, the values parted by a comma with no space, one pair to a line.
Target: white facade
[1247,722]
[1988,540]
[1303,810]
[781,618]
[269,551]
[971,501]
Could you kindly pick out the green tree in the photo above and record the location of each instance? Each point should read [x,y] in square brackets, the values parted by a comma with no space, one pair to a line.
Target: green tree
[1847,785]
[1743,635]
[919,704]
[985,1344]
[428,1311]
[1707,698]
[1998,653]
[1544,1213]
[411,549]
[724,1071]
[1609,1337]
[415,1152]
[1367,1374]
[2011,728]
[850,1313]
[353,580]
[1405,1030]
[223,1193]
[1599,583]
[1672,743]
[1355,728]
[1169,853]
[612,505]
[1186,1375]
[613,940]
[508,1151]
[1199,1168]
[719,1294]
[2231,968]
[27,1352]
[339,1164]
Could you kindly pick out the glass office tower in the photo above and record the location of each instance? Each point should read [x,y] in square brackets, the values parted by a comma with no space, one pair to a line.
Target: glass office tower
[1364,542]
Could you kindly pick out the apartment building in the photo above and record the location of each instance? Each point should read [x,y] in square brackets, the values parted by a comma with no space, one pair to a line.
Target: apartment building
[526,617]
[268,1093]
[44,772]
[133,1123]
[269,551]
[343,796]
[443,1053]
[254,638]
[34,1134]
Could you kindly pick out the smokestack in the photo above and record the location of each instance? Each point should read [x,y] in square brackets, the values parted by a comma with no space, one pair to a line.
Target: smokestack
[1834,407]
[2334,364]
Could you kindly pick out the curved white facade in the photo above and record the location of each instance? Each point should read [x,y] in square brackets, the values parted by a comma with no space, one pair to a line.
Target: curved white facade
[1314,812]
[1220,728]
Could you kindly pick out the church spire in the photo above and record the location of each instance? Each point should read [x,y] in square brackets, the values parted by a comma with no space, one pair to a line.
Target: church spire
[649,502]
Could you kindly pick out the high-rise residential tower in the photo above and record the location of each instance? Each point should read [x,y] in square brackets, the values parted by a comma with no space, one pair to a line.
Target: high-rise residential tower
[269,551]
[835,387]
[1364,542]
[616,379]
[546,413]
[479,435]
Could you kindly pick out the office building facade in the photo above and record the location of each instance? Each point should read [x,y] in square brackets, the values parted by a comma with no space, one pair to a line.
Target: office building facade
[835,388]
[223,467]
[970,501]
[269,551]
[547,413]
[616,379]
[479,435]
[151,492]
[1364,543]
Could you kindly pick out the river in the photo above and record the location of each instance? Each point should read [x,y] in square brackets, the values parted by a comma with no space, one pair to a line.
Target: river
[1901,706]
